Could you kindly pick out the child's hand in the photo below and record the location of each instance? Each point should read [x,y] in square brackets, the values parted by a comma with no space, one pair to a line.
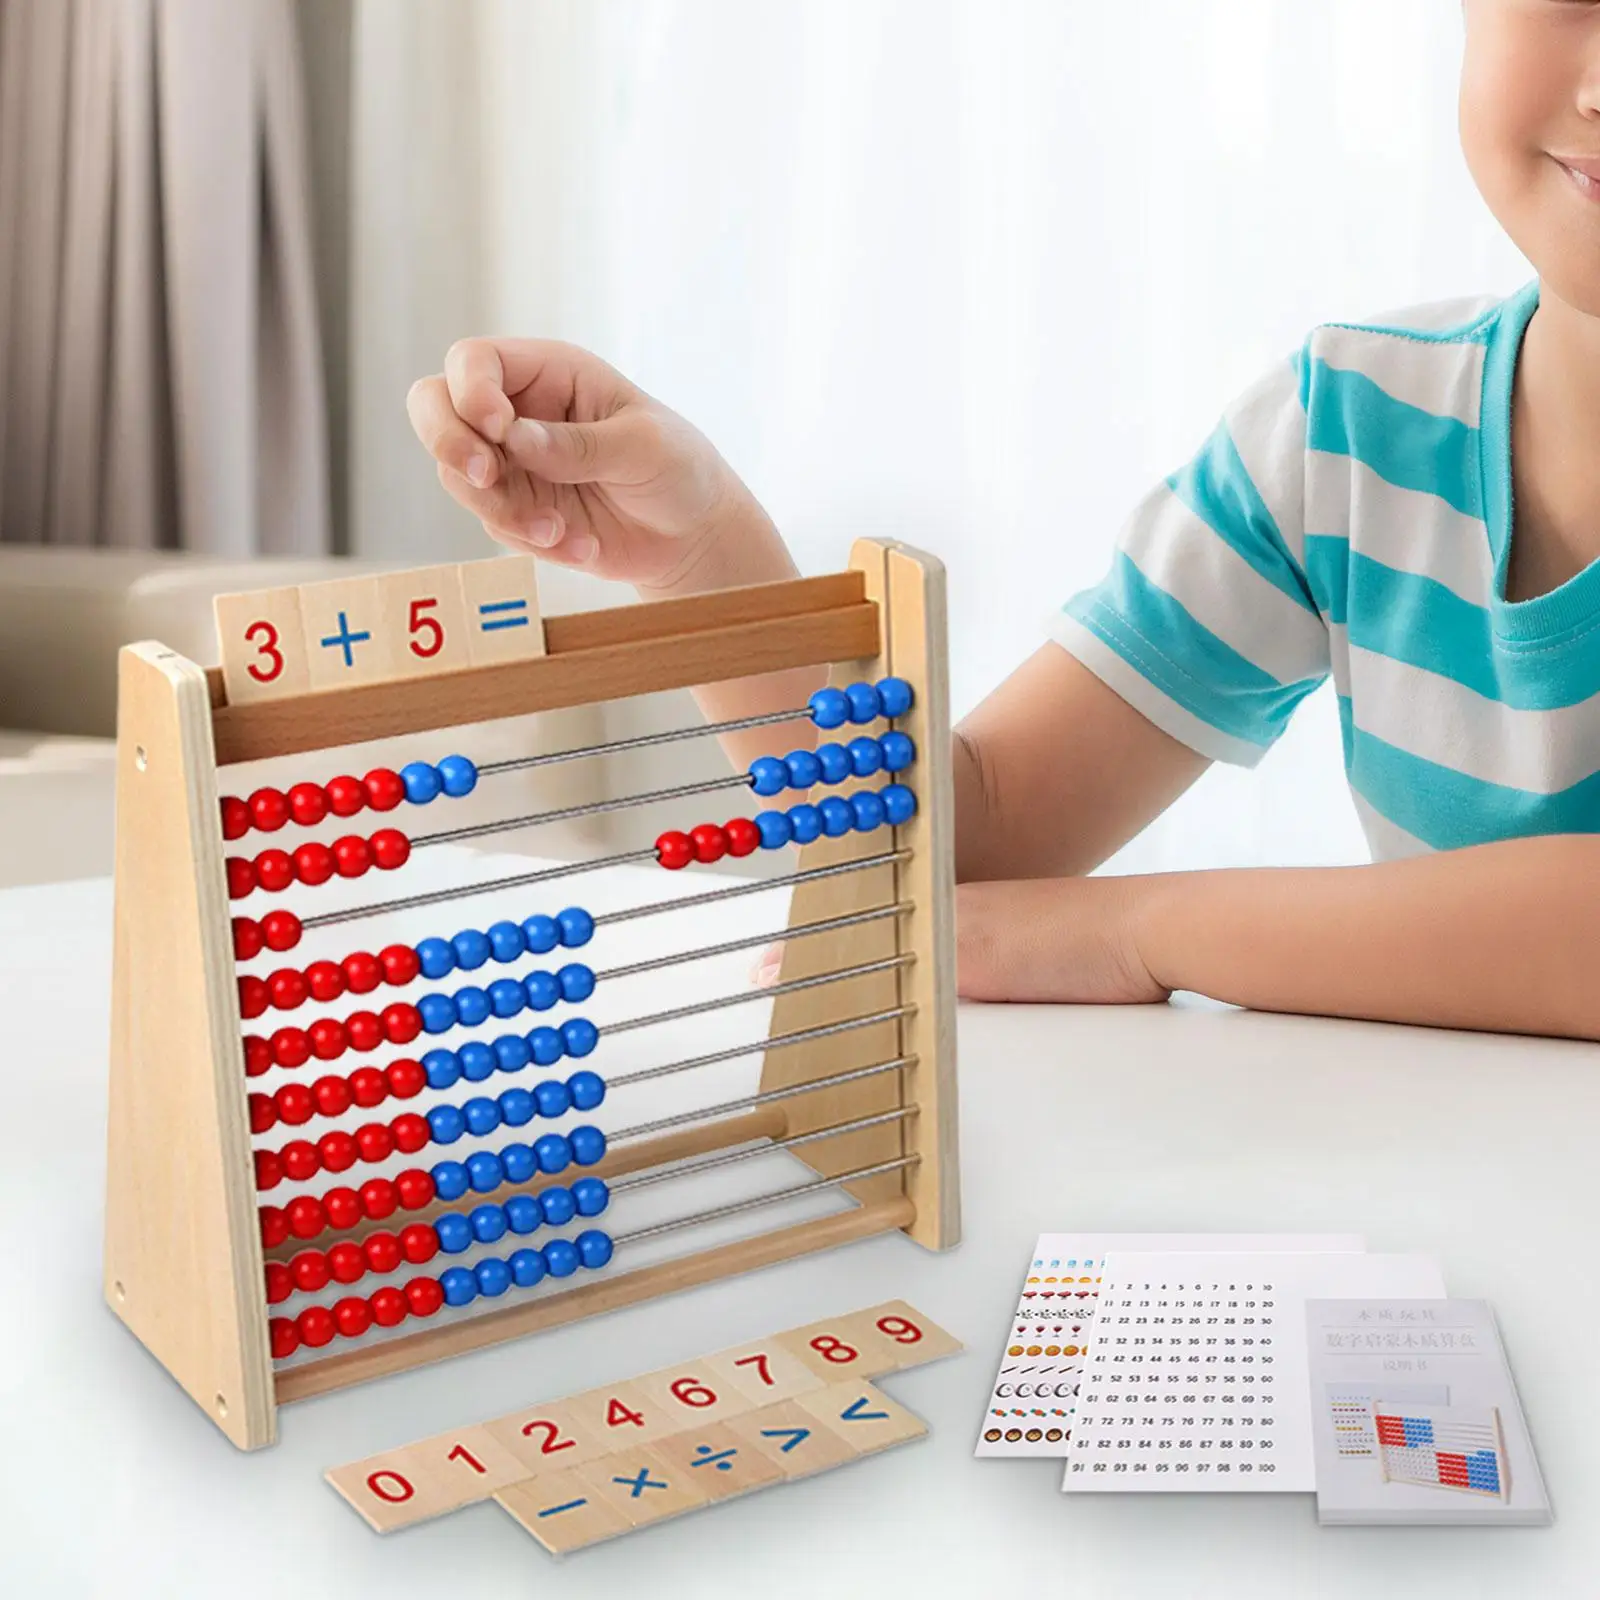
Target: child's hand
[556,452]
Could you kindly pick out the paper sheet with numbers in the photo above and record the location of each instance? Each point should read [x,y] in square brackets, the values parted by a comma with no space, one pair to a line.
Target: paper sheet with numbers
[1195,1379]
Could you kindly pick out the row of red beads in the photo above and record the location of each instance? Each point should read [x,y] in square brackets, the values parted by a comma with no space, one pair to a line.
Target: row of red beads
[352,1316]
[308,803]
[335,1151]
[358,973]
[306,1215]
[332,1096]
[328,1038]
[350,857]
[711,841]
[346,1262]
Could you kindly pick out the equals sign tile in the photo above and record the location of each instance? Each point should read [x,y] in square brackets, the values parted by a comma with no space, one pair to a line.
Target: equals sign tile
[499,614]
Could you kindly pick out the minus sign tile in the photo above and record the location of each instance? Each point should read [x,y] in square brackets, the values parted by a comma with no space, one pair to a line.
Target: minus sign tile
[561,1511]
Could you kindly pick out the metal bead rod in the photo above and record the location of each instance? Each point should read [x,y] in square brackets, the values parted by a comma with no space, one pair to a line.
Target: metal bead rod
[799,931]
[733,1052]
[767,1096]
[716,1213]
[729,1158]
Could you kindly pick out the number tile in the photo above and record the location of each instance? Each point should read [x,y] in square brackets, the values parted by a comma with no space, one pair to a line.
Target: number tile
[348,638]
[392,1490]
[547,1437]
[501,596]
[681,1392]
[562,1511]
[863,1416]
[764,1372]
[262,644]
[828,1352]
[427,618]
[793,1440]
[899,1335]
[640,1484]
[469,1464]
[723,1463]
[610,1415]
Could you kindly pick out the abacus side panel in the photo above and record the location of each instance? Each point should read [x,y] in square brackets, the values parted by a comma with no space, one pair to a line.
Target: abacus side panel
[918,650]
[183,1263]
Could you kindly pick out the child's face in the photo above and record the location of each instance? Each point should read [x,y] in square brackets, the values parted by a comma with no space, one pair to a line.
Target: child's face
[1530,127]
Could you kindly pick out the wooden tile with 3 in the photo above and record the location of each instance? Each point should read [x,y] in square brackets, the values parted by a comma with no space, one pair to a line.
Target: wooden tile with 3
[502,608]
[262,644]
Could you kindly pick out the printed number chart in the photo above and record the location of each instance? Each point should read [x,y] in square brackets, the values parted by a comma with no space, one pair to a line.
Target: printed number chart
[1197,1378]
[1029,1413]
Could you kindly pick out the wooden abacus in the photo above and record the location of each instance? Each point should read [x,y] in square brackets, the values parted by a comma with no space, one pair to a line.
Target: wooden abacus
[858,1065]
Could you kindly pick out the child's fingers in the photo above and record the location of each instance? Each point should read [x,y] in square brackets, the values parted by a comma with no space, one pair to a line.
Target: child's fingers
[447,438]
[477,383]
[625,448]
[524,518]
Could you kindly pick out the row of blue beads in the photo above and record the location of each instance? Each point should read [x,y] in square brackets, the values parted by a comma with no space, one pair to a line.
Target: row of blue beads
[832,763]
[583,1091]
[505,941]
[861,702]
[526,1267]
[834,817]
[454,776]
[505,997]
[521,1214]
[484,1170]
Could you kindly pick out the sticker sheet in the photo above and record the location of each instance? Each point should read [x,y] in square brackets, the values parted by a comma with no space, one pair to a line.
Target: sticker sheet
[1196,1375]
[1029,1412]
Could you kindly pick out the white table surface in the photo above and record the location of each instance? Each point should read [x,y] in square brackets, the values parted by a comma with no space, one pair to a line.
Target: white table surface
[1184,1117]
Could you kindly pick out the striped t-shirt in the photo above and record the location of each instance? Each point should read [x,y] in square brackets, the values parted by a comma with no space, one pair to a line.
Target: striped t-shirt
[1352,516]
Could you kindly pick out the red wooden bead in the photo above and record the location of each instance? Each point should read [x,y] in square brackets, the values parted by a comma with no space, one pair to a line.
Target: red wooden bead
[364,1030]
[325,980]
[281,930]
[346,796]
[378,1198]
[338,1150]
[269,1170]
[300,1160]
[247,940]
[235,817]
[280,1283]
[241,877]
[327,1037]
[384,789]
[295,1104]
[414,1187]
[362,972]
[351,856]
[286,988]
[308,805]
[306,1217]
[316,1326]
[375,1142]
[382,1251]
[274,1227]
[291,1047]
[310,1271]
[390,849]
[742,835]
[399,963]
[424,1296]
[274,870]
[389,1307]
[347,1261]
[674,850]
[405,1077]
[313,862]
[332,1095]
[419,1242]
[253,996]
[263,1112]
[710,844]
[368,1086]
[284,1337]
[343,1206]
[410,1133]
[257,1055]
[401,1023]
[269,810]
[353,1316]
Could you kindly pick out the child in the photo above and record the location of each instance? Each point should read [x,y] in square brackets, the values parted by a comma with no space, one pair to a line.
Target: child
[1352,515]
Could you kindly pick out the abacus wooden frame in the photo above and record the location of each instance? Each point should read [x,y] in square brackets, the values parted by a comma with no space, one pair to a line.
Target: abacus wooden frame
[184,1263]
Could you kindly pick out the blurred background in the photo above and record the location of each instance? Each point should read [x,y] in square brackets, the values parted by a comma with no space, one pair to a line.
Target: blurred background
[969,273]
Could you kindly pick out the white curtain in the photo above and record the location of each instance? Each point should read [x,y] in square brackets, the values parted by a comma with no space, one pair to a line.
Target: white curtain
[971,273]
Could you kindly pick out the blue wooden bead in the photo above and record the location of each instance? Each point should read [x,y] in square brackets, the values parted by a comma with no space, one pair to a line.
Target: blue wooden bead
[869,811]
[577,982]
[837,817]
[834,760]
[472,1006]
[587,1089]
[866,756]
[488,1223]
[505,942]
[485,1171]
[540,934]
[478,1061]
[546,1047]
[587,1145]
[481,1115]
[437,1011]
[864,703]
[830,708]
[442,1068]
[768,775]
[804,768]
[899,803]
[436,958]
[579,1035]
[542,990]
[511,1052]
[472,949]
[519,1162]
[523,1214]
[446,1124]
[577,927]
[517,1106]
[552,1098]
[449,1179]
[773,826]
[527,1267]
[459,1285]
[558,1206]
[805,823]
[458,776]
[493,1275]
[554,1152]
[591,1196]
[899,750]
[422,782]
[561,1258]
[455,1232]
[895,696]
[594,1248]
[505,997]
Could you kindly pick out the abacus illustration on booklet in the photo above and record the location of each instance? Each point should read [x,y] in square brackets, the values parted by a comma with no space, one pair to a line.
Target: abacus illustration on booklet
[275,1228]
